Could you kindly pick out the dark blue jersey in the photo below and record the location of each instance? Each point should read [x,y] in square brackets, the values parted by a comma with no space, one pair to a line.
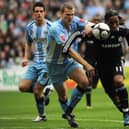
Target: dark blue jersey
[110,50]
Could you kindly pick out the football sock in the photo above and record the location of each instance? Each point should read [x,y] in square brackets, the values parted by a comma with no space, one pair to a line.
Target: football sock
[40,105]
[116,101]
[75,98]
[63,104]
[123,96]
[88,95]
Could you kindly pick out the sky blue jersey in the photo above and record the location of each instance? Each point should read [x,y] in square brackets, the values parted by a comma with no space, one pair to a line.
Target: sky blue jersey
[58,35]
[37,35]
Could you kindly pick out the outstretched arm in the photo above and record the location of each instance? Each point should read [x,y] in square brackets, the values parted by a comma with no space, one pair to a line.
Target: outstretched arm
[26,54]
[79,59]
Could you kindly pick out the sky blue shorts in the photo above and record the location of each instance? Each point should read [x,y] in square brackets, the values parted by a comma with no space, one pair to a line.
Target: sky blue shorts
[37,72]
[58,73]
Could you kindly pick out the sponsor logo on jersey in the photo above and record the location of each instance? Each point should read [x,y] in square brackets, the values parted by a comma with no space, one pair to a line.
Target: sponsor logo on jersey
[89,41]
[112,37]
[110,45]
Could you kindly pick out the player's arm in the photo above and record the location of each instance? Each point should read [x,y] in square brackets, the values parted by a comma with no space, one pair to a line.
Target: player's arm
[79,59]
[28,43]
[26,54]
[70,41]
[89,28]
[126,41]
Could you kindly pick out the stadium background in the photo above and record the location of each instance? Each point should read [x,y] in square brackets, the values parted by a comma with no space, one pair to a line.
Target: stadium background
[17,109]
[15,14]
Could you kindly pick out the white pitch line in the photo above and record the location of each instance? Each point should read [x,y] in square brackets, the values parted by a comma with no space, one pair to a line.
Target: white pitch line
[55,118]
[28,127]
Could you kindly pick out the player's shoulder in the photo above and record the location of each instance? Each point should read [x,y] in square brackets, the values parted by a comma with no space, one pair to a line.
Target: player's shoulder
[30,24]
[123,30]
[56,26]
[48,22]
[78,19]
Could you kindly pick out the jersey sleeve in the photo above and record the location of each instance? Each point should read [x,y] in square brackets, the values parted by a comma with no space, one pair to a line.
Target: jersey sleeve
[127,36]
[81,23]
[58,35]
[28,36]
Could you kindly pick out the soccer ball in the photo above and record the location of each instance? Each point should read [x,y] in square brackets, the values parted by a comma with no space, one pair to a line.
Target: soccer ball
[48,90]
[101,31]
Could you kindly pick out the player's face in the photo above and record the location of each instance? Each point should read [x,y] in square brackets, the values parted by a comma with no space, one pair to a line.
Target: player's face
[39,14]
[113,22]
[67,16]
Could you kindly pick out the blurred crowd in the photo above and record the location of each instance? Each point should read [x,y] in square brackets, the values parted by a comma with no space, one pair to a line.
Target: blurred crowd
[15,14]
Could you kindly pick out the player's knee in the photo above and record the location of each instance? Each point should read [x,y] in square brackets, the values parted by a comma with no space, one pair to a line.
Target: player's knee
[118,81]
[21,88]
[37,92]
[84,83]
[63,97]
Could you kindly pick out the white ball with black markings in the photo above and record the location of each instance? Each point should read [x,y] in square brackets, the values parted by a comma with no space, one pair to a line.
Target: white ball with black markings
[101,31]
[48,90]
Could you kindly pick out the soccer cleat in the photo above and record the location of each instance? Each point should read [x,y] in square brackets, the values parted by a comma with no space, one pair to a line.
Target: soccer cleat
[71,120]
[126,120]
[40,118]
[89,107]
[47,101]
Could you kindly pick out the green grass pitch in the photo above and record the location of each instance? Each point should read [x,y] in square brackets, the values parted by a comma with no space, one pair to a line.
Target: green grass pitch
[18,109]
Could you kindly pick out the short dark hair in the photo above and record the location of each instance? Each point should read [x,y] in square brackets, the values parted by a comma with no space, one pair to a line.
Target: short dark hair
[67,5]
[110,13]
[38,4]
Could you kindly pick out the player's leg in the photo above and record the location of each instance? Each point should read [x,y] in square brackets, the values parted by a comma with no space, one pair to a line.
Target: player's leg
[61,91]
[88,92]
[121,90]
[40,103]
[77,74]
[42,81]
[122,93]
[79,91]
[47,92]
[27,83]
[82,81]
[95,79]
[88,97]
[58,76]
[105,74]
[115,85]
[113,96]
[26,86]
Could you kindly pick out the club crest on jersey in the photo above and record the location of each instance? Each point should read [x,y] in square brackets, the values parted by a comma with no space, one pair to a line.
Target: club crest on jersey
[120,39]
[62,38]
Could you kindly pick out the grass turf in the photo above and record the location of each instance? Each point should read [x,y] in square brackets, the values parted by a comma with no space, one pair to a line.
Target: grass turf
[18,109]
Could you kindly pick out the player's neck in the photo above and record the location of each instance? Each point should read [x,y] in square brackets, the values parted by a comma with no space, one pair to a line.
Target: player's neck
[66,25]
[40,23]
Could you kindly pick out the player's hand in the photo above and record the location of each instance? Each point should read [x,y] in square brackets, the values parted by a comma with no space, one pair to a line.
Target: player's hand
[90,70]
[88,32]
[24,62]
[88,29]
